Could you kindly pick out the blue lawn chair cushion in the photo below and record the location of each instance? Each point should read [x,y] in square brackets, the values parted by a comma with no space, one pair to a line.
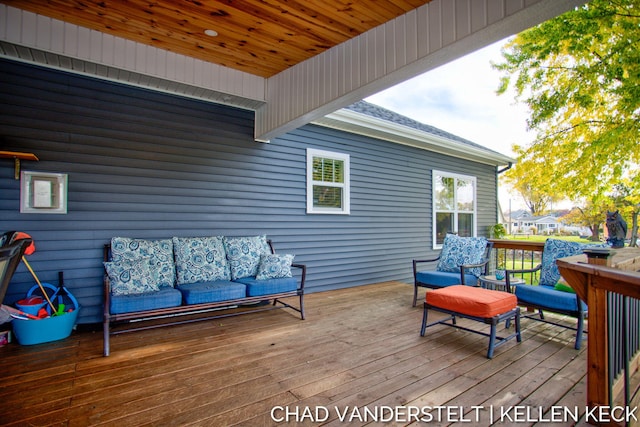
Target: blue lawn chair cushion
[444,278]
[215,291]
[163,298]
[551,299]
[256,288]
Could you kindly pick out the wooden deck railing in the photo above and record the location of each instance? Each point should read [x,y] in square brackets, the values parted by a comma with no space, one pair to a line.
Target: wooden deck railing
[516,255]
[611,288]
[612,293]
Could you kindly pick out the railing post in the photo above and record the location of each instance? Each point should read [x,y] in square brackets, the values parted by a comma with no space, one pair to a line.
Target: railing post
[597,350]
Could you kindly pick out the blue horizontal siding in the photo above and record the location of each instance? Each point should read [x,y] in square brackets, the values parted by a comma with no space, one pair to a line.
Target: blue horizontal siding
[151,165]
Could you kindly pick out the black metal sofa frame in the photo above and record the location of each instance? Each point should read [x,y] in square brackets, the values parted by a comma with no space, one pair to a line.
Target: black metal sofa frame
[187,313]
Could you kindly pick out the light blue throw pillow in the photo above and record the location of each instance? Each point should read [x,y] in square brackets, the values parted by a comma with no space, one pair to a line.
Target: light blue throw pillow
[128,277]
[243,254]
[159,253]
[274,266]
[457,251]
[200,259]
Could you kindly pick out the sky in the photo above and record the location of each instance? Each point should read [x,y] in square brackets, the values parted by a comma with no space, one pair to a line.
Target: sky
[460,98]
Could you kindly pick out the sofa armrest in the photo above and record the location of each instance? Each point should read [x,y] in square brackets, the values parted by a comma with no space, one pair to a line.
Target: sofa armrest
[302,267]
[469,266]
[303,277]
[107,293]
[508,274]
[105,280]
[525,270]
[416,261]
[421,261]
[484,264]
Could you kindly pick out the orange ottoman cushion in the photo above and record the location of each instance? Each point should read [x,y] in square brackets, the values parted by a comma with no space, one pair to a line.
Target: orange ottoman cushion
[476,302]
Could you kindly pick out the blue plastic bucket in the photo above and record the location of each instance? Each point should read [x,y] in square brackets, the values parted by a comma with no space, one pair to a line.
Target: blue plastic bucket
[31,305]
[29,332]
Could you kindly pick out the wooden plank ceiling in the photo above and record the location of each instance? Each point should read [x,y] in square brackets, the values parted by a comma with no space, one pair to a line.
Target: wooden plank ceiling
[260,37]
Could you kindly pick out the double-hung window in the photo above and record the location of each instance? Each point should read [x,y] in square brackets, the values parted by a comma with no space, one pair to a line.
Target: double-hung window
[327,182]
[454,205]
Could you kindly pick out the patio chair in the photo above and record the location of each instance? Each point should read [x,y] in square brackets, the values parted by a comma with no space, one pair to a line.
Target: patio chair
[461,261]
[550,294]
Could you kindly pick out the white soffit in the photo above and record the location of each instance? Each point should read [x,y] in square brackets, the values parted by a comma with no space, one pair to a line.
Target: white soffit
[427,37]
[40,40]
[412,44]
[374,127]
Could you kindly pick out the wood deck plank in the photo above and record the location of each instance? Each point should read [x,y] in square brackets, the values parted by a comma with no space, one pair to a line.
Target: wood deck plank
[359,348]
[484,382]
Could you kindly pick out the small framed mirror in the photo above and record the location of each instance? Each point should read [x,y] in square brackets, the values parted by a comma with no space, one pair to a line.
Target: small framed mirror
[42,192]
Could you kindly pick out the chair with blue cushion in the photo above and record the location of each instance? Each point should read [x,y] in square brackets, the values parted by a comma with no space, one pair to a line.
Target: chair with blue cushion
[461,261]
[550,294]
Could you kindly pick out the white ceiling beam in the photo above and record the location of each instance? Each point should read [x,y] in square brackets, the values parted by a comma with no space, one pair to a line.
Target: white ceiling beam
[410,45]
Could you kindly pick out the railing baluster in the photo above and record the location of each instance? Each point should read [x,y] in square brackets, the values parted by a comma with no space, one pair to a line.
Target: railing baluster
[518,255]
[622,325]
[615,291]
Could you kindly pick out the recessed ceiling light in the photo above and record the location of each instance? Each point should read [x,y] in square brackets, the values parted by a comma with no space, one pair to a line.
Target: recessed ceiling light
[211,33]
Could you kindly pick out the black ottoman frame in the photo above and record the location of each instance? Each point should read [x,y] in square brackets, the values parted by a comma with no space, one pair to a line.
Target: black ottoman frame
[494,340]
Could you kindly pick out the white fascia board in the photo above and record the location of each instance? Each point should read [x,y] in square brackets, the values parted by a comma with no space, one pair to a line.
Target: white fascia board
[363,124]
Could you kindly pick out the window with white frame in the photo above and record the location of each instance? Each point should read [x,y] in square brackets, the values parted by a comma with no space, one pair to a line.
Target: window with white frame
[454,205]
[327,182]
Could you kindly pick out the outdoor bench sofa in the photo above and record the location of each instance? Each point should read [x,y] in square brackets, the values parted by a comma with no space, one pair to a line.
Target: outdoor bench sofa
[170,278]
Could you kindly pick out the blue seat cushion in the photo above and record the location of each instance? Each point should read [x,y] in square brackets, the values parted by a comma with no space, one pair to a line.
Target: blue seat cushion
[163,298]
[547,297]
[444,278]
[256,288]
[215,291]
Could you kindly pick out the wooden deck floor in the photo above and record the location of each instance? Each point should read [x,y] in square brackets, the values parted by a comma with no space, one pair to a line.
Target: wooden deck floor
[358,352]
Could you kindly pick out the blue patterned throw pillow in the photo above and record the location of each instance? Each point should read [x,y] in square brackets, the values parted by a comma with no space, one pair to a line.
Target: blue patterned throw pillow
[159,253]
[273,266]
[244,254]
[458,250]
[554,249]
[128,277]
[200,259]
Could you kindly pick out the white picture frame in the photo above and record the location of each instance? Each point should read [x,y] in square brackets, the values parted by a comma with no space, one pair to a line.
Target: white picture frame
[43,192]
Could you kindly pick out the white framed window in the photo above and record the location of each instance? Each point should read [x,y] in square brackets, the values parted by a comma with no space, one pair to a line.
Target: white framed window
[454,206]
[327,182]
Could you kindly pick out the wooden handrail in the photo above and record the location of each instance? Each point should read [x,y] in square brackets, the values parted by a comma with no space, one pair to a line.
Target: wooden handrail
[592,281]
[517,255]
[518,245]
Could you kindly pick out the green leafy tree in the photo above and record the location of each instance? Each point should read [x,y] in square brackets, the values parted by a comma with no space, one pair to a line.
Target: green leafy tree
[531,184]
[591,213]
[579,74]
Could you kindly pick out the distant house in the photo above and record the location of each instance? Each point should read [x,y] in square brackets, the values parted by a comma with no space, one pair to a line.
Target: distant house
[547,225]
[522,222]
